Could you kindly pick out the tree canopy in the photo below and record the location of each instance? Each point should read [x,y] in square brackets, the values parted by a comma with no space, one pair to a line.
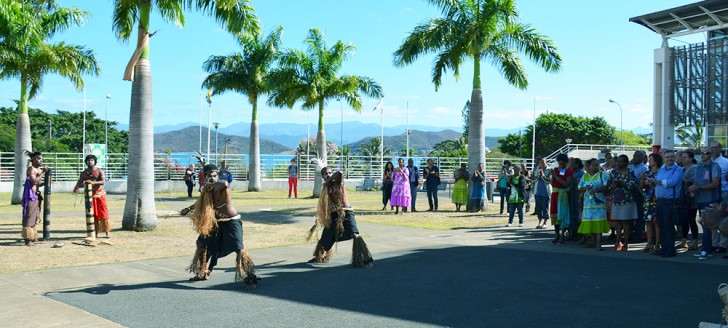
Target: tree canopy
[66,131]
[552,130]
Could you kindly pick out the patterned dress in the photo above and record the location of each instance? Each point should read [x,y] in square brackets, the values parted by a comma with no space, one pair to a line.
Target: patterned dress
[400,188]
[623,204]
[650,208]
[594,216]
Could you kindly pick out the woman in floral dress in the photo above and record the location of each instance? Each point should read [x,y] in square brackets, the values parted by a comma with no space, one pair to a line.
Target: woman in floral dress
[622,183]
[594,218]
[653,230]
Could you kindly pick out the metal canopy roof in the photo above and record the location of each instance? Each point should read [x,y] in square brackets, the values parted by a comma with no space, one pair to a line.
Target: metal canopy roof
[698,17]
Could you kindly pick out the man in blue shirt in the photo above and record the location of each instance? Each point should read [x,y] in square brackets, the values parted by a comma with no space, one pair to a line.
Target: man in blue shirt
[414,177]
[431,174]
[668,185]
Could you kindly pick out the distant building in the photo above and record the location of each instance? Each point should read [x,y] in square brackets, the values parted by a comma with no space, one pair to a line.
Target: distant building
[690,81]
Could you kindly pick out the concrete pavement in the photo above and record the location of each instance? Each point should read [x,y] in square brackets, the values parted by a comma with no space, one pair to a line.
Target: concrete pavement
[481,277]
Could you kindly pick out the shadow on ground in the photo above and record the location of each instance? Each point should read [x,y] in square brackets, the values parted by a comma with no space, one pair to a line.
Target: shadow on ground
[451,286]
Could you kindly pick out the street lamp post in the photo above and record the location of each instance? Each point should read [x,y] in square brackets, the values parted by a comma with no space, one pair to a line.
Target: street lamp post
[408,132]
[217,155]
[621,130]
[209,119]
[83,138]
[106,134]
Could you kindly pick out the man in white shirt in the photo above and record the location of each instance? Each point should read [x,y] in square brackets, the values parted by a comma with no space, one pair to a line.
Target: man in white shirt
[719,240]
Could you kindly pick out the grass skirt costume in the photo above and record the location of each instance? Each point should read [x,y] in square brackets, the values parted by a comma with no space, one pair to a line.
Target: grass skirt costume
[31,202]
[328,216]
[219,239]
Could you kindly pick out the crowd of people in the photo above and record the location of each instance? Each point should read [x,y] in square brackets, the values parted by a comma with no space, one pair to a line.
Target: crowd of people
[651,198]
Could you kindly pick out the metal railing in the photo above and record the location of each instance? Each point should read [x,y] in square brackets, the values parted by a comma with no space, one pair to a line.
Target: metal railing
[67,166]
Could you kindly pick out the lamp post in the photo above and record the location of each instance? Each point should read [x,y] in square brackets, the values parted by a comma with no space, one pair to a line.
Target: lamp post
[217,155]
[408,132]
[209,119]
[308,136]
[621,130]
[106,134]
[568,141]
[83,139]
[227,141]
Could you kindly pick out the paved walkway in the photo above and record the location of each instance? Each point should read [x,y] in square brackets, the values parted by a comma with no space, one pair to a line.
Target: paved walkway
[482,277]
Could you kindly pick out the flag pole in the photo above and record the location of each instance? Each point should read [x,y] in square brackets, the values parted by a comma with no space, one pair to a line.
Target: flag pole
[533,141]
[381,144]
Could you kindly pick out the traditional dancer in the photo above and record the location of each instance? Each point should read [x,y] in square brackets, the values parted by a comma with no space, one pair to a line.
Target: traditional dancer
[95,176]
[32,198]
[221,232]
[332,207]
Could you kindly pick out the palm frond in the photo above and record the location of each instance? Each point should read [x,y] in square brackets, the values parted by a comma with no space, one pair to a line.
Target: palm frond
[61,19]
[126,13]
[508,64]
[238,16]
[537,47]
[171,11]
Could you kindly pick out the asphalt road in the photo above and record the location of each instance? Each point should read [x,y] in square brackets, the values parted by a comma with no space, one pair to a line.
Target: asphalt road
[447,285]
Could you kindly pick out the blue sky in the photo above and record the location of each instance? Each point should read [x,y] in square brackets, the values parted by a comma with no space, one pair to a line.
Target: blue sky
[605,56]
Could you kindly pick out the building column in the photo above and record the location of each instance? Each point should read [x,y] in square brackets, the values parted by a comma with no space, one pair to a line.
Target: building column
[663,129]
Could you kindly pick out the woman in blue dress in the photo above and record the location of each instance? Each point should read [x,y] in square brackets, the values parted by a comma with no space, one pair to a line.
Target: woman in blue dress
[477,196]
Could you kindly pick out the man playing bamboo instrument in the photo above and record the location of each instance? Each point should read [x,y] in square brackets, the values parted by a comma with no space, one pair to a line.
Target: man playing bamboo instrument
[31,197]
[221,231]
[95,176]
[332,207]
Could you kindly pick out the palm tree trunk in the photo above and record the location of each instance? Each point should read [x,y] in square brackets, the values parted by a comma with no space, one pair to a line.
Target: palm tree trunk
[22,142]
[321,152]
[140,212]
[476,129]
[254,165]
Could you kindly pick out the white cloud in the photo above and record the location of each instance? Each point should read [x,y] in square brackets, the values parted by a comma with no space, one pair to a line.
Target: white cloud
[406,10]
[443,111]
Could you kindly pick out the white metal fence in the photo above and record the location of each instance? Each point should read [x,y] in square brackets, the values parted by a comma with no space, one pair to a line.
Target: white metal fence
[67,166]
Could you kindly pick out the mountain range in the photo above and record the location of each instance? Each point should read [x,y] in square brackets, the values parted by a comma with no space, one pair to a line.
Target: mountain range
[291,134]
[188,140]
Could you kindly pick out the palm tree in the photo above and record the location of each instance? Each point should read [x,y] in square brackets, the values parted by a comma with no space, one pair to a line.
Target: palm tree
[237,16]
[25,54]
[478,30]
[312,78]
[691,135]
[246,73]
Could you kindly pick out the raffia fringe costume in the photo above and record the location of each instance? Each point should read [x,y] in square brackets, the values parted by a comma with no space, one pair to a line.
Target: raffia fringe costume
[328,216]
[219,239]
